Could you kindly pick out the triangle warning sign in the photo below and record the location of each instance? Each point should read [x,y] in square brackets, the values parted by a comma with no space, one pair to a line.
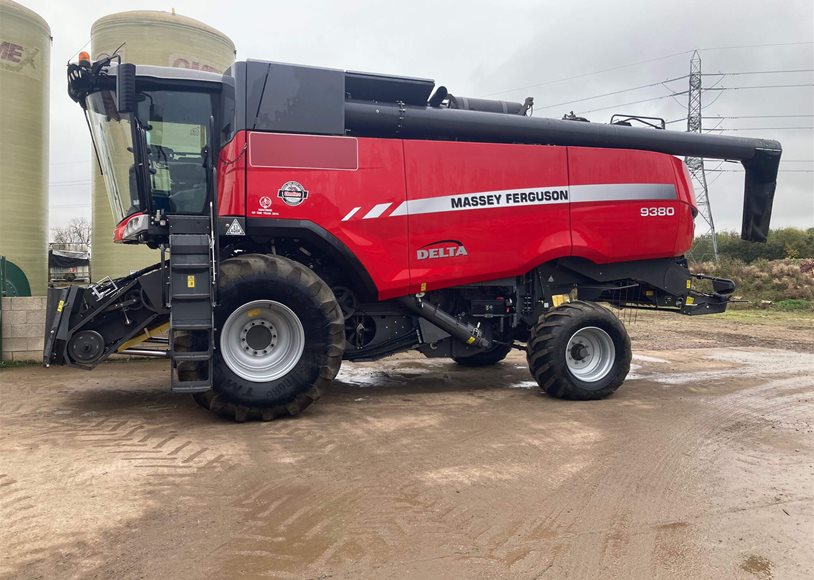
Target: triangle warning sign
[235,229]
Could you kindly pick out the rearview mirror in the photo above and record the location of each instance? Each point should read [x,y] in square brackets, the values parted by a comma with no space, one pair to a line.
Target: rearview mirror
[126,88]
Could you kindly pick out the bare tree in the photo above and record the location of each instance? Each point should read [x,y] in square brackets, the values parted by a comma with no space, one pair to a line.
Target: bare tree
[77,231]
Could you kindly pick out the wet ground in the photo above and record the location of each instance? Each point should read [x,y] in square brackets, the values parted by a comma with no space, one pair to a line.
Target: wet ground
[701,466]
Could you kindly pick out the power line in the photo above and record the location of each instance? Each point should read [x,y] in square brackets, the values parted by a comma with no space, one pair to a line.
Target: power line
[754,46]
[759,72]
[718,96]
[682,119]
[634,102]
[715,100]
[759,87]
[715,128]
[596,72]
[614,93]
[655,59]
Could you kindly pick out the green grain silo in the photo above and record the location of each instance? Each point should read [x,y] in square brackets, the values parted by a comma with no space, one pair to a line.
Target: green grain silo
[25,48]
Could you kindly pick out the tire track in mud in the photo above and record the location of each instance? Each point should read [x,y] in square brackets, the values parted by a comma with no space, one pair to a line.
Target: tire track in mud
[14,507]
[652,481]
[144,439]
[401,481]
[367,524]
[293,531]
[722,421]
[618,532]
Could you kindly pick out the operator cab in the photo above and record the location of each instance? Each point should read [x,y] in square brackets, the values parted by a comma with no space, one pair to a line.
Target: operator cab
[154,152]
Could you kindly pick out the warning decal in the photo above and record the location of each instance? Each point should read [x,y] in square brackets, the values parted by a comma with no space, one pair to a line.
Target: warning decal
[235,229]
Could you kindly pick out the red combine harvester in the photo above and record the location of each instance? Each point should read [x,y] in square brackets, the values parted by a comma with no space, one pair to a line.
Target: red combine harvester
[307,215]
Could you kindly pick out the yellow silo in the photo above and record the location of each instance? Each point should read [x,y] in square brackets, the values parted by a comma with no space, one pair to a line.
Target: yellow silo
[25,48]
[160,39]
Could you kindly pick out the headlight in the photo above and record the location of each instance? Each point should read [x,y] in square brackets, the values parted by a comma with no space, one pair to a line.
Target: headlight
[129,229]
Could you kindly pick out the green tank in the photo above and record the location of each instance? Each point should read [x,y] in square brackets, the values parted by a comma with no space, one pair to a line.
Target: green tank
[25,48]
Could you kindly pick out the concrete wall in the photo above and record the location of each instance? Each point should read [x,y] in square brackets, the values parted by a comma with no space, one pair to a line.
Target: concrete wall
[23,328]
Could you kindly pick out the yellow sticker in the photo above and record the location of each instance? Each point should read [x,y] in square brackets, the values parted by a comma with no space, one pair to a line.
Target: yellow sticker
[689,284]
[648,292]
[470,340]
[559,299]
[423,286]
[60,305]
[254,312]
[191,281]
[690,301]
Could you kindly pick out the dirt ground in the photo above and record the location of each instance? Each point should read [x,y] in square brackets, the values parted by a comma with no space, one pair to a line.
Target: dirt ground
[701,466]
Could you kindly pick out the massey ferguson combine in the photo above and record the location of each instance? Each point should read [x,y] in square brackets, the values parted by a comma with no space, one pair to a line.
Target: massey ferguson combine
[306,216]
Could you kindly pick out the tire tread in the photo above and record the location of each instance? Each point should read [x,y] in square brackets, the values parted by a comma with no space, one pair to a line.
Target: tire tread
[548,340]
[249,267]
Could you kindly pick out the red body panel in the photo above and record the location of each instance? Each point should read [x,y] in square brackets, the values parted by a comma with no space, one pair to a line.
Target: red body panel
[615,231]
[379,244]
[499,242]
[423,215]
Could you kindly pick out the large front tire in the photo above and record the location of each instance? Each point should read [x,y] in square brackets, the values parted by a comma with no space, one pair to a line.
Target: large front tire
[579,351]
[280,339]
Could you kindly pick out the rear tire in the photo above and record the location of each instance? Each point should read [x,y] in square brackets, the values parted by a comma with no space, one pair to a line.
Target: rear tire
[579,351]
[486,358]
[280,339]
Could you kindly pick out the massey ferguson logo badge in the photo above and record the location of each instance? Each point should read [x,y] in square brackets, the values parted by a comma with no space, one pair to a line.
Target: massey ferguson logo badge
[265,202]
[441,249]
[292,193]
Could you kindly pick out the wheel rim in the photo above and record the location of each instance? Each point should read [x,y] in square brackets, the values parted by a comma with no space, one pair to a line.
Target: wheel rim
[590,354]
[262,340]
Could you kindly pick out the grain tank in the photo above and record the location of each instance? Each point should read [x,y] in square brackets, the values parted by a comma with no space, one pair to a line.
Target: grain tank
[154,38]
[25,47]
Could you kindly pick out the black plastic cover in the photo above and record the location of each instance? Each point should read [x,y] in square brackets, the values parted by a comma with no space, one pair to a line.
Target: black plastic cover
[388,89]
[290,98]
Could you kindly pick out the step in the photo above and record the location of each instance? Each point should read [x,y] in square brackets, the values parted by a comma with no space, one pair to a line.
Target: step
[191,296]
[193,325]
[191,387]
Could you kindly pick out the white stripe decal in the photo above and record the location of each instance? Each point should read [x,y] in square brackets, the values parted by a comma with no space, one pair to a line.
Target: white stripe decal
[377,211]
[484,200]
[537,196]
[622,192]
[350,214]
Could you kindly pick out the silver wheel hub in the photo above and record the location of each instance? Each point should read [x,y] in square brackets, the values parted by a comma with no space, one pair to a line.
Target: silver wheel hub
[258,337]
[590,354]
[262,340]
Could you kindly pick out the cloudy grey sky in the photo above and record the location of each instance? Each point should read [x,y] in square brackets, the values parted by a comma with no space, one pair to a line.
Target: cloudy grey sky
[510,49]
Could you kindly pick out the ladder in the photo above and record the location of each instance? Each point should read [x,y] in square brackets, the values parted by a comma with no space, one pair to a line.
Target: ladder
[191,301]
